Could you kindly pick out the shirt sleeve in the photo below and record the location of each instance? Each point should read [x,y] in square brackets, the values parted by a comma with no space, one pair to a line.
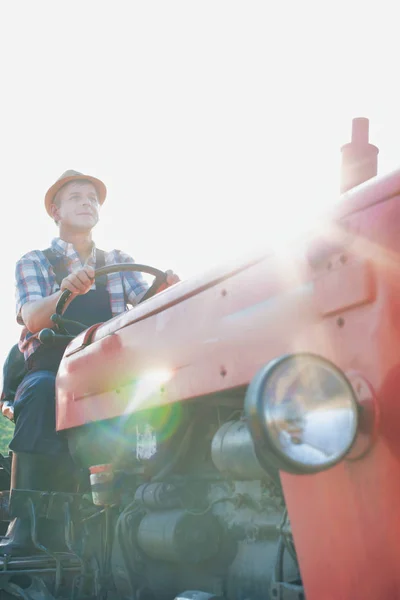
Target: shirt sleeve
[134,283]
[31,283]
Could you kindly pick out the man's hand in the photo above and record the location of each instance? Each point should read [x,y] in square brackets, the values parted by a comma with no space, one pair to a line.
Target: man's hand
[79,282]
[8,410]
[172,278]
[36,314]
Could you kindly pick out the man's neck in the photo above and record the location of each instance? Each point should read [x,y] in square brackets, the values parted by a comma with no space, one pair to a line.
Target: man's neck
[81,241]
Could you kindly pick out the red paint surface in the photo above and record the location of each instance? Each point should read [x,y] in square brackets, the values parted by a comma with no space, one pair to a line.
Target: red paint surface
[346,521]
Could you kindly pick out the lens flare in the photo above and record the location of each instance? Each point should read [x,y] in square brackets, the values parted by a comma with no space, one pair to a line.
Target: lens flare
[148,422]
[145,387]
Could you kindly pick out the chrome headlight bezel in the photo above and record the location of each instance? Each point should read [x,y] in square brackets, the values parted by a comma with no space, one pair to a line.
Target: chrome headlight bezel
[256,409]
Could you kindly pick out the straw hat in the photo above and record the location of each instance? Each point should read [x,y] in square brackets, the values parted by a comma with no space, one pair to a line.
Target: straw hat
[73,176]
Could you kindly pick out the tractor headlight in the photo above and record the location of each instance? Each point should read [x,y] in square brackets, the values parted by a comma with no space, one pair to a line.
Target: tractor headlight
[302,414]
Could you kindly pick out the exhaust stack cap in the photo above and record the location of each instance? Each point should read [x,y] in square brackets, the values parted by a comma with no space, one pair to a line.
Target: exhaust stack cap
[359,157]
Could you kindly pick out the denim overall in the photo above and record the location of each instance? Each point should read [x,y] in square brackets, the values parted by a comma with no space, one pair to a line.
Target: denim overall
[34,406]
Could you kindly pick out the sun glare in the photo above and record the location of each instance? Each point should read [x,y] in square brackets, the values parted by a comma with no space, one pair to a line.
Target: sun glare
[146,386]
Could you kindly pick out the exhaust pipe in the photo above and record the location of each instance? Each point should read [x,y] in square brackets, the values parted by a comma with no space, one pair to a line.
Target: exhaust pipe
[359,157]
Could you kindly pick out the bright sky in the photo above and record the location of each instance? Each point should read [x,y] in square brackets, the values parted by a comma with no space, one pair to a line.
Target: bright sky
[213,123]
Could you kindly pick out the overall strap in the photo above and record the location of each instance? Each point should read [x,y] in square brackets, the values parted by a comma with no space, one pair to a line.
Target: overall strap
[101,281]
[58,264]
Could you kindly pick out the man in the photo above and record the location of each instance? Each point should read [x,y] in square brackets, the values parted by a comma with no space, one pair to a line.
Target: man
[40,455]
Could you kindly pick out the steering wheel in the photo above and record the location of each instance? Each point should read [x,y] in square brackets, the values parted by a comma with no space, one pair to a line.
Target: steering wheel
[46,335]
[160,279]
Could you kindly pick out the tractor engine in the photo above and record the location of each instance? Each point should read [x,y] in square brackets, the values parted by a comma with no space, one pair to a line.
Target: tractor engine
[189,505]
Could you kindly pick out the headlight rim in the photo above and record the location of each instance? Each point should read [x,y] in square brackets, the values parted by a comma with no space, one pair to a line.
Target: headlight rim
[266,450]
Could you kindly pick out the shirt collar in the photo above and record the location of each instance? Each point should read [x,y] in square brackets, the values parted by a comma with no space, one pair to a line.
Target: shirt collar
[67,250]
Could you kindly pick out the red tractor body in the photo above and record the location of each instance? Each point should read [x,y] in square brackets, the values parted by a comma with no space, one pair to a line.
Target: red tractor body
[335,294]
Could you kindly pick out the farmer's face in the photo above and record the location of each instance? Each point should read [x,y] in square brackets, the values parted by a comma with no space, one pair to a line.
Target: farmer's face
[76,206]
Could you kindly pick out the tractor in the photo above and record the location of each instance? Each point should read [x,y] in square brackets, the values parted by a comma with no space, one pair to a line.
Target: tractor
[236,435]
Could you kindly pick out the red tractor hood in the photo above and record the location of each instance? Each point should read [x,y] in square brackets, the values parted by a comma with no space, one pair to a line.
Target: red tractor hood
[214,331]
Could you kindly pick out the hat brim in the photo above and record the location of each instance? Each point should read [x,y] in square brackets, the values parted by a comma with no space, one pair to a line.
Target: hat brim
[51,192]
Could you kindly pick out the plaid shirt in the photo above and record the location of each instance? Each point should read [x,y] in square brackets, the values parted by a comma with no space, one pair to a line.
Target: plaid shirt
[35,279]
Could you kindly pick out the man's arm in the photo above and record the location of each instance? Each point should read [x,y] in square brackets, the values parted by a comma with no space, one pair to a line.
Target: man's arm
[134,284]
[134,290]
[33,305]
[36,314]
